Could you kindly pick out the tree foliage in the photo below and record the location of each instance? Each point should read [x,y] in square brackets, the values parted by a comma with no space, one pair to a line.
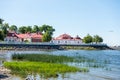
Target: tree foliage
[90,39]
[97,39]
[35,28]
[48,32]
[23,29]
[5,28]
[46,37]
[87,39]
[29,29]
[1,35]
[1,21]
[13,28]
[46,28]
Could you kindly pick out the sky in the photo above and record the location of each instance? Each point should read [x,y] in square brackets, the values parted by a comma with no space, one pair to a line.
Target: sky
[73,17]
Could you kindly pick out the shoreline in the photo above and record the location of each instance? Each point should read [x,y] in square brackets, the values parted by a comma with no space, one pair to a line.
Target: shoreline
[62,48]
[4,73]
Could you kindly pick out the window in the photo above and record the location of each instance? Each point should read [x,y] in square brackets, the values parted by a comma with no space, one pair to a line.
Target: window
[12,34]
[58,41]
[65,41]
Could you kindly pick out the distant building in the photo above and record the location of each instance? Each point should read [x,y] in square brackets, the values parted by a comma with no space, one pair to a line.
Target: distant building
[66,39]
[27,37]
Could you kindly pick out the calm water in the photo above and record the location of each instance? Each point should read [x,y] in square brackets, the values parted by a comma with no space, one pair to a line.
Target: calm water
[108,62]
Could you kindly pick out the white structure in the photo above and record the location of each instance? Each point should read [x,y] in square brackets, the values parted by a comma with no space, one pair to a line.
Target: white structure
[66,39]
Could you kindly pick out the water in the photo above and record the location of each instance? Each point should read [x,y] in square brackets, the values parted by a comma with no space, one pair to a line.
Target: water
[108,62]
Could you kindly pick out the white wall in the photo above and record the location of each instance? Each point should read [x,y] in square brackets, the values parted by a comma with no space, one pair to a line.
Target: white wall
[66,41]
[12,39]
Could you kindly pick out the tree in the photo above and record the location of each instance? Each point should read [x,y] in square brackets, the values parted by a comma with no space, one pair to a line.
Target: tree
[48,32]
[29,29]
[5,28]
[23,29]
[97,39]
[1,35]
[46,37]
[87,39]
[36,28]
[1,21]
[47,28]
[13,28]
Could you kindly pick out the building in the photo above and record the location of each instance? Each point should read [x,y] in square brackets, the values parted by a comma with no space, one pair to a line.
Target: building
[66,39]
[27,37]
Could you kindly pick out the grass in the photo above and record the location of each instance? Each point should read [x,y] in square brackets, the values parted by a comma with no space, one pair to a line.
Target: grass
[44,64]
[45,69]
[78,48]
[42,58]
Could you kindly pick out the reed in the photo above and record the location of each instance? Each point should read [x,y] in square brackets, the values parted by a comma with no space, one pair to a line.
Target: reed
[42,58]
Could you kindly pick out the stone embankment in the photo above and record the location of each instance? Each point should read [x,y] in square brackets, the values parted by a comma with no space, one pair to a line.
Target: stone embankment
[4,73]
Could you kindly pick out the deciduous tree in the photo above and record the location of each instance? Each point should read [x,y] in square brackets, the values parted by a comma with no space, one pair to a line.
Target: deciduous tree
[13,28]
[1,21]
[46,37]
[23,29]
[87,39]
[35,28]
[97,39]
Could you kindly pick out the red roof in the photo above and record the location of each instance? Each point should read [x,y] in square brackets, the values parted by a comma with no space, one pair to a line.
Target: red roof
[64,36]
[77,37]
[26,35]
[35,35]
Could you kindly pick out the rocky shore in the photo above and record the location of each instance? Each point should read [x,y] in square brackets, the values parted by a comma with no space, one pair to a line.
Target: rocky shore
[4,73]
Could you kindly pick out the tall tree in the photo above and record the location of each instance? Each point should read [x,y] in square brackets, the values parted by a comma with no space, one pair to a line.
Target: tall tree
[29,29]
[47,28]
[97,39]
[1,21]
[35,28]
[5,28]
[23,29]
[1,35]
[46,37]
[48,32]
[13,28]
[87,39]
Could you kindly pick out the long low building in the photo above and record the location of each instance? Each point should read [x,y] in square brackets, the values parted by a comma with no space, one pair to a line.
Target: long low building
[27,37]
[66,39]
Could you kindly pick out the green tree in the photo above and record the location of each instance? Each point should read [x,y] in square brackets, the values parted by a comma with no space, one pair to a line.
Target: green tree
[13,28]
[46,28]
[1,21]
[1,35]
[29,29]
[35,28]
[97,39]
[48,32]
[87,39]
[46,37]
[23,29]
[5,28]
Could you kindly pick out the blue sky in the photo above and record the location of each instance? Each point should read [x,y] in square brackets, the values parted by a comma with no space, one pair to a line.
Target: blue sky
[74,17]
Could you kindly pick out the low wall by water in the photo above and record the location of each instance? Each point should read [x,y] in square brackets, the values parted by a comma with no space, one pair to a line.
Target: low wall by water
[51,45]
